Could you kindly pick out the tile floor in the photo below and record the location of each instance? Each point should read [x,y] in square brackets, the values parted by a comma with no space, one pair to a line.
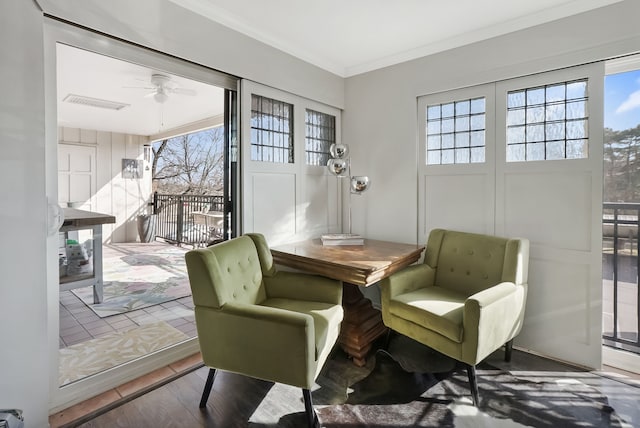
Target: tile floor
[78,323]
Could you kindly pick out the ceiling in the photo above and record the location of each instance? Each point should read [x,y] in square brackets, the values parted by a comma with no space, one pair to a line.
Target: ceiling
[346,37]
[88,74]
[349,37]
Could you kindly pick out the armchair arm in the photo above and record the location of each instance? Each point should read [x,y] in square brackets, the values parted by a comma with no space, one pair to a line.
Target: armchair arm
[491,318]
[408,279]
[304,286]
[251,339]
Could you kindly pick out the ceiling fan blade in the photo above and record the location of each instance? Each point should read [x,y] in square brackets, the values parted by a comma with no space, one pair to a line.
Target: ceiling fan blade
[184,91]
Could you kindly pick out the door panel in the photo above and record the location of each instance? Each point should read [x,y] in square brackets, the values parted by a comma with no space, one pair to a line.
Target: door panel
[557,205]
[77,175]
[287,201]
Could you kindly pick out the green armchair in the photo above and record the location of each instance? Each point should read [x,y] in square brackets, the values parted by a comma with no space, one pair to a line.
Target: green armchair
[466,300]
[256,321]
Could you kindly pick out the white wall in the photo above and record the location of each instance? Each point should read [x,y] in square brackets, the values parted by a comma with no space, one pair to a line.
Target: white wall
[380,122]
[124,198]
[24,366]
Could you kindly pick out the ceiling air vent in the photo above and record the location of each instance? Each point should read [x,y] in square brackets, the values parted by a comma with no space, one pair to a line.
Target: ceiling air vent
[94,102]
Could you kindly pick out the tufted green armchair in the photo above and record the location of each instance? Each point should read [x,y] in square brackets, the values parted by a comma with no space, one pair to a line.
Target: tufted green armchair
[466,300]
[256,321]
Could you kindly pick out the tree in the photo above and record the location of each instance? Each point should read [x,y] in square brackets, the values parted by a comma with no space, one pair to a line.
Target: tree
[190,163]
[622,165]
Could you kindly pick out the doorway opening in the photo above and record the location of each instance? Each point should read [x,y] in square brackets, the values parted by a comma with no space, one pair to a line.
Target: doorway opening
[110,113]
[621,215]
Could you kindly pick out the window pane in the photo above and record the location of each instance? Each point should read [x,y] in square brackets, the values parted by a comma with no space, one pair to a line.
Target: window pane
[433,157]
[462,139]
[515,153]
[535,114]
[320,135]
[577,129]
[477,122]
[555,93]
[555,150]
[555,112]
[577,110]
[576,90]
[515,135]
[433,142]
[535,133]
[535,151]
[447,141]
[433,112]
[555,131]
[550,120]
[447,156]
[515,99]
[433,127]
[477,106]
[462,155]
[515,117]
[535,96]
[577,149]
[447,110]
[462,123]
[477,155]
[462,108]
[270,129]
[448,127]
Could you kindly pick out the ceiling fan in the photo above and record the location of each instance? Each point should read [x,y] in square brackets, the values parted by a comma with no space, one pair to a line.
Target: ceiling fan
[162,86]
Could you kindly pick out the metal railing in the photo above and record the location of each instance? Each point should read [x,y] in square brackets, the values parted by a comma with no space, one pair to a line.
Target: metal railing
[620,267]
[175,220]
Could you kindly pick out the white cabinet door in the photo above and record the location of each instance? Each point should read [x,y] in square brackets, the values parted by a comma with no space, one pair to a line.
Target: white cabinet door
[77,175]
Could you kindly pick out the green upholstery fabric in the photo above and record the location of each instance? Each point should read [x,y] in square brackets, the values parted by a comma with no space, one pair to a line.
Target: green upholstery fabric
[256,321]
[468,297]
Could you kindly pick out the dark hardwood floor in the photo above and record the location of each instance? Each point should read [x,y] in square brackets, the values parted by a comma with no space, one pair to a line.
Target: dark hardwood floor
[239,401]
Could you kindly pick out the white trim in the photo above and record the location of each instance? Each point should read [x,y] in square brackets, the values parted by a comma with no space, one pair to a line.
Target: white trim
[621,359]
[622,65]
[189,128]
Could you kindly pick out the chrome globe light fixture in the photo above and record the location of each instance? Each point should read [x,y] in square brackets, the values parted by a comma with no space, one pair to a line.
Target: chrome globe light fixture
[340,166]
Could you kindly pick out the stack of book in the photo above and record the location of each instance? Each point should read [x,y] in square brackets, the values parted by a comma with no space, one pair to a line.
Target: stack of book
[342,239]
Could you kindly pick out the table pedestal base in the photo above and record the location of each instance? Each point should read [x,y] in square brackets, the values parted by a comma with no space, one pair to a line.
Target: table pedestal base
[362,324]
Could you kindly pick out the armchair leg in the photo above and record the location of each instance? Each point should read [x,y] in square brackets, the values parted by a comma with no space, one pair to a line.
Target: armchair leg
[312,417]
[473,383]
[508,347]
[207,388]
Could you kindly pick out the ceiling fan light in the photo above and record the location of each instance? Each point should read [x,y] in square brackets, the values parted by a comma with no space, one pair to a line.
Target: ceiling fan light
[160,96]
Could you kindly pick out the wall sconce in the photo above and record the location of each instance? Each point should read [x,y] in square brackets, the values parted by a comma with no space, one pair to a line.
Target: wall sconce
[340,166]
[147,155]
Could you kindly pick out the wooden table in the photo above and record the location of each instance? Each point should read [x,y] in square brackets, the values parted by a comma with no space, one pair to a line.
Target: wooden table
[75,219]
[357,266]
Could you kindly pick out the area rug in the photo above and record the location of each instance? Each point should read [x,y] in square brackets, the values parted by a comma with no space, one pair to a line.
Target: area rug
[96,355]
[137,276]
[390,396]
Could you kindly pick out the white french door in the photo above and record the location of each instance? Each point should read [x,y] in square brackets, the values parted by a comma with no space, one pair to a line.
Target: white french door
[542,180]
[283,196]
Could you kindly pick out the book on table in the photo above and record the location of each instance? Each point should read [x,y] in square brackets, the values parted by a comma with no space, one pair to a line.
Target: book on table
[342,239]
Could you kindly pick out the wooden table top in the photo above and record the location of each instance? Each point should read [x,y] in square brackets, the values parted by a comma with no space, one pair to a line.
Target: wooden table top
[356,264]
[79,218]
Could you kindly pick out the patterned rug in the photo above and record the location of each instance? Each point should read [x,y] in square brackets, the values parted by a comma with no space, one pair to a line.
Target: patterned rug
[96,355]
[137,276]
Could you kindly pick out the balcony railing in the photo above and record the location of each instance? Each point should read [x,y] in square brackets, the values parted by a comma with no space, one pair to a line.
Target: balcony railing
[175,221]
[621,264]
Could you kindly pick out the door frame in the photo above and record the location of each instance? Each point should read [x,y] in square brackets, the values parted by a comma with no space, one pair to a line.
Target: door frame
[59,32]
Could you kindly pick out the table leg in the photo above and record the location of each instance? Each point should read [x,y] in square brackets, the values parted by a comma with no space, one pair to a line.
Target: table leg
[362,324]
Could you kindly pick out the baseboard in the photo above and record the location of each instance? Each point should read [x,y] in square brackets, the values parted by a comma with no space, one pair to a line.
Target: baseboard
[620,359]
